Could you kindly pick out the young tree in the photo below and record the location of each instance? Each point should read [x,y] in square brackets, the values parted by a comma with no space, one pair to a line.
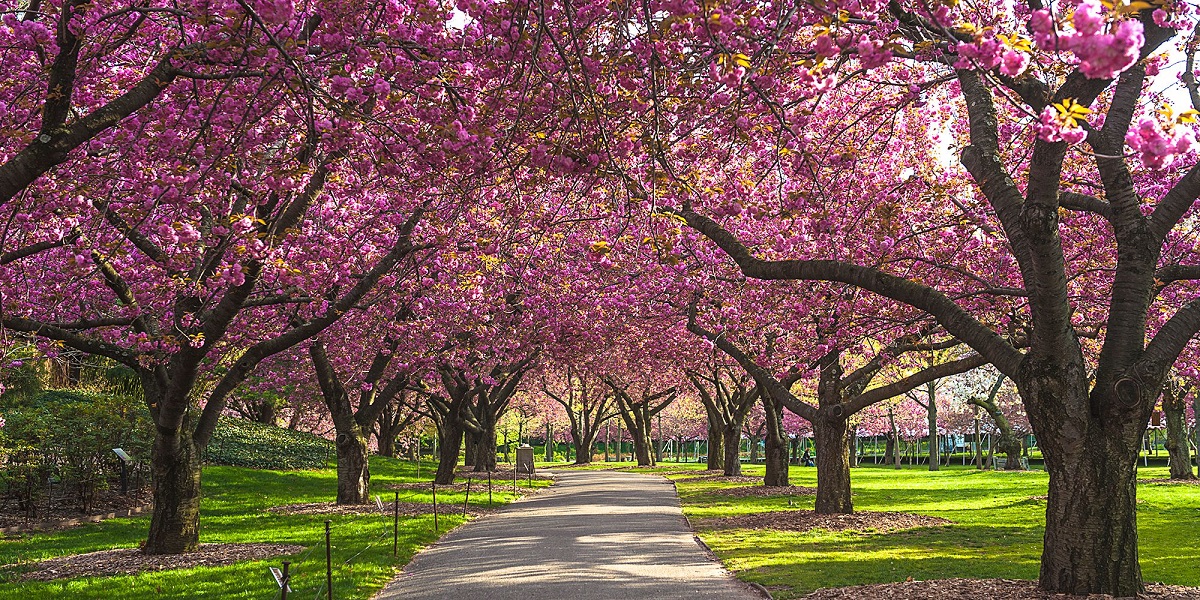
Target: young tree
[637,411]
[587,407]
[728,396]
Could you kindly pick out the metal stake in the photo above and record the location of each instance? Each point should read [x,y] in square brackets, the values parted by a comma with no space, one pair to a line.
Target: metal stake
[467,498]
[328,564]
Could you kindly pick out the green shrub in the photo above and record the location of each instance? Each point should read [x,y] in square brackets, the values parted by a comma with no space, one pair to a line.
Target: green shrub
[242,443]
[68,435]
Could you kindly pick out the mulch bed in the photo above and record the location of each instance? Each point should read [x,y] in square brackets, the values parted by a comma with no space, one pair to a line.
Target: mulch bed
[500,474]
[130,561]
[992,589]
[62,512]
[1170,481]
[807,520]
[407,509]
[717,476]
[758,491]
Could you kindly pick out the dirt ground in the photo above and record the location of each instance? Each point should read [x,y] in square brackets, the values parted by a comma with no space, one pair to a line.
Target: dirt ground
[129,561]
[989,589]
[805,520]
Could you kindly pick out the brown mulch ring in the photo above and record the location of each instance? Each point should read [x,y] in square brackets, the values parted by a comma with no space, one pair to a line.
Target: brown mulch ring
[1170,481]
[130,561]
[407,509]
[756,491]
[992,589]
[425,487]
[62,512]
[718,477]
[807,520]
[500,474]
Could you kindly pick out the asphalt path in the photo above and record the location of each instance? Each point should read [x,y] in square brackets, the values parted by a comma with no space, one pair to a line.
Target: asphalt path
[595,535]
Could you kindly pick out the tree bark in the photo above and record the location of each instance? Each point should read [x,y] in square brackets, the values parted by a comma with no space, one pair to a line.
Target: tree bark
[387,445]
[353,468]
[1175,413]
[716,443]
[471,440]
[450,441]
[776,444]
[832,438]
[175,525]
[935,459]
[485,450]
[732,437]
[1091,521]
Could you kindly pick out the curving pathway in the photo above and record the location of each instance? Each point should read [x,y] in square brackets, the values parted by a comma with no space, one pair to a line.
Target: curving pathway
[601,535]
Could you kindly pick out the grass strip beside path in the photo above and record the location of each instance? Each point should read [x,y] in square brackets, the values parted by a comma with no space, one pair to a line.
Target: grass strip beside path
[235,510]
[999,520]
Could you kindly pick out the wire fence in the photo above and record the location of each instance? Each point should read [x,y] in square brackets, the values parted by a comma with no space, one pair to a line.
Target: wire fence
[388,510]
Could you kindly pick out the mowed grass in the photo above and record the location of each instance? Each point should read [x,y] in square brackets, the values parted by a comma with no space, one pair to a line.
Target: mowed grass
[234,509]
[998,526]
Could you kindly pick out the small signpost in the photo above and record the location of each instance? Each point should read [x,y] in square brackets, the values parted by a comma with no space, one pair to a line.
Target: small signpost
[125,461]
[282,579]
[379,502]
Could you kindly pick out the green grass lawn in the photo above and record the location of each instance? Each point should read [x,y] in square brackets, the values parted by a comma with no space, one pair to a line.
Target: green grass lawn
[997,532]
[234,510]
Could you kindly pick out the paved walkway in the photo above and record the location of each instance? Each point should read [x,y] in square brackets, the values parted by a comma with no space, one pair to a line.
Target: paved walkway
[596,535]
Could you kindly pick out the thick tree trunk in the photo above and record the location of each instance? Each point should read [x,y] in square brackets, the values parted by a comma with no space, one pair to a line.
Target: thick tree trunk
[175,525]
[485,451]
[1174,410]
[387,445]
[732,438]
[776,445]
[832,437]
[1091,523]
[450,441]
[583,448]
[1090,544]
[353,469]
[716,444]
[641,450]
[470,452]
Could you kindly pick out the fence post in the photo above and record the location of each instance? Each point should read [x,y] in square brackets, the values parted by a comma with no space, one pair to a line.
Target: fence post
[435,523]
[328,563]
[395,524]
[286,577]
[489,489]
[467,498]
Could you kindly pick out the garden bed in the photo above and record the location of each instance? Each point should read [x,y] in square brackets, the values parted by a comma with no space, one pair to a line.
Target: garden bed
[61,511]
[407,509]
[130,561]
[754,491]
[718,477]
[807,520]
[992,589]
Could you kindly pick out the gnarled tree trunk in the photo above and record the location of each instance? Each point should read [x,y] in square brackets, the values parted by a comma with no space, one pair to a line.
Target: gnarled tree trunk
[731,435]
[776,444]
[715,443]
[353,468]
[1090,542]
[1175,413]
[450,441]
[175,525]
[485,450]
[832,438]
